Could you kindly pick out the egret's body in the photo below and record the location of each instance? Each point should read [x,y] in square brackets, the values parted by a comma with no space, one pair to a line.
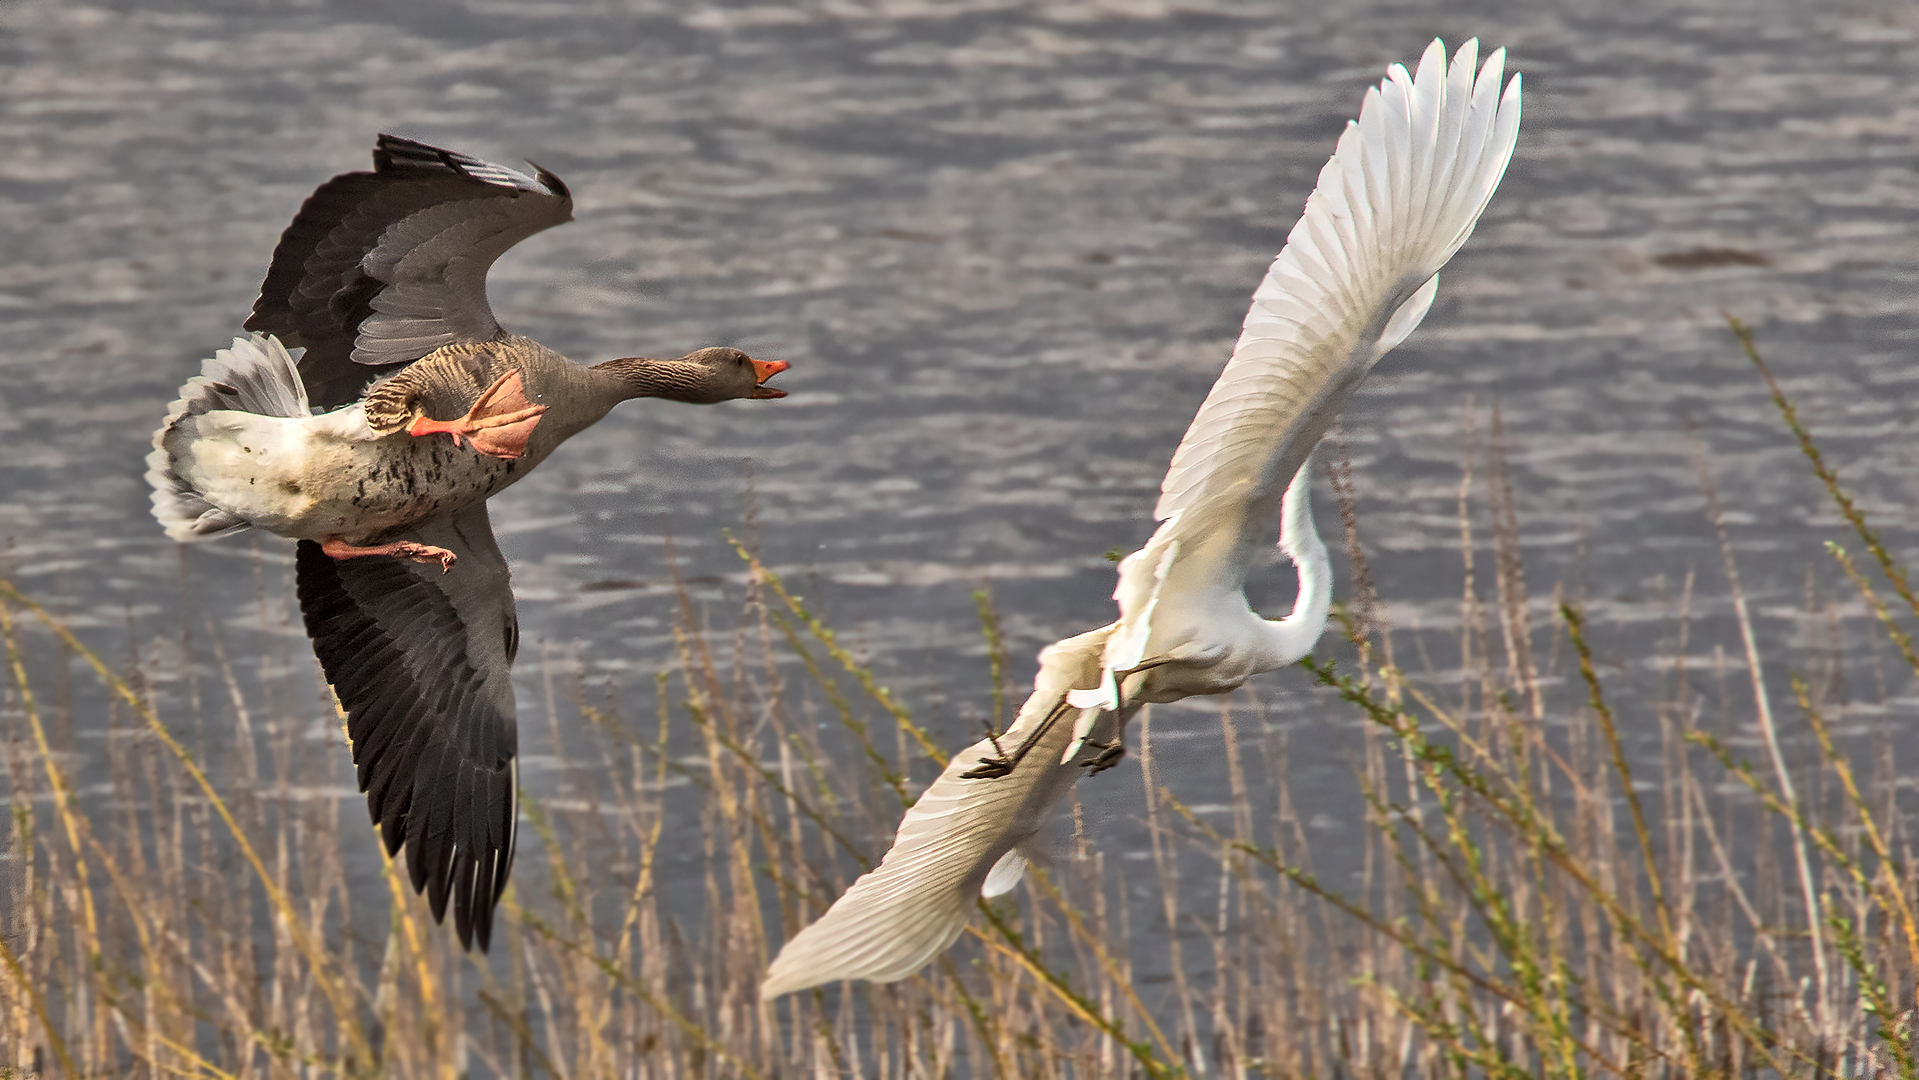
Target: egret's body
[1358,273]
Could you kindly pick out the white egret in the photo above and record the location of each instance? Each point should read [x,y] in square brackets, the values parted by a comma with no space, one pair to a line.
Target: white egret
[1358,272]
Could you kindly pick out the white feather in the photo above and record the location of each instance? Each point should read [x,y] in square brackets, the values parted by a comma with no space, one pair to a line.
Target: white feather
[1004,875]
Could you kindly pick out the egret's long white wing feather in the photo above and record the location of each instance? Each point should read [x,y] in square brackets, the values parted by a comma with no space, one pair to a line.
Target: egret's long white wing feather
[1397,199]
[900,915]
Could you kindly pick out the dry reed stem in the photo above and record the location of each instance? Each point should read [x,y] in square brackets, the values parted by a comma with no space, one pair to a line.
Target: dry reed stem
[1895,573]
[1762,702]
[827,638]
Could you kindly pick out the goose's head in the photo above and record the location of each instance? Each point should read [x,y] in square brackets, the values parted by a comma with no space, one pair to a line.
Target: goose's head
[698,378]
[733,374]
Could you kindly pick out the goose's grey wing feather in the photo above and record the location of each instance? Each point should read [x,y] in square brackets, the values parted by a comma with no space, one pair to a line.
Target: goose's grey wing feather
[420,661]
[380,268]
[900,915]
[1399,196]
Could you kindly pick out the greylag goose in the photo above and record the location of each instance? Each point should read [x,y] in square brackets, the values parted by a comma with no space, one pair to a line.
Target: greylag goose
[1399,196]
[377,449]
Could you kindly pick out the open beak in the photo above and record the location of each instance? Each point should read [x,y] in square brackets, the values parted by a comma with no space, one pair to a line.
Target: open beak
[764,370]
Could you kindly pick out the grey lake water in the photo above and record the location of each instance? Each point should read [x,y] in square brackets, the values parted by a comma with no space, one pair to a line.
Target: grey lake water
[1005,247]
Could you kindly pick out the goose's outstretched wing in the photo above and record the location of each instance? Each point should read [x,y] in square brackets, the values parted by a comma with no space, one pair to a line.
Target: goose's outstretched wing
[959,839]
[380,268]
[419,660]
[1358,272]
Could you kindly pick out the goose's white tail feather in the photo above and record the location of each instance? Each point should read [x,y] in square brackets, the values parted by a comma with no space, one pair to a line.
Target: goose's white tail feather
[957,843]
[254,375]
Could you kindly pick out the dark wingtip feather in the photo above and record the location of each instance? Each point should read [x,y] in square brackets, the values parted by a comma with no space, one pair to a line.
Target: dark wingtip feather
[460,877]
[393,155]
[553,184]
[483,927]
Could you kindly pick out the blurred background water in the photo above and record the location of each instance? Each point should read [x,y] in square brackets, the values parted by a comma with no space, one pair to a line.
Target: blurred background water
[1006,248]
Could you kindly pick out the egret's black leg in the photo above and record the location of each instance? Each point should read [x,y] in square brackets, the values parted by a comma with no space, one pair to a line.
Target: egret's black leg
[993,768]
[1110,752]
[1108,756]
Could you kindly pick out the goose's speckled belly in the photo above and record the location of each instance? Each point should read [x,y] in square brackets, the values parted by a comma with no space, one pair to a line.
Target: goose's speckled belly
[395,483]
[299,479]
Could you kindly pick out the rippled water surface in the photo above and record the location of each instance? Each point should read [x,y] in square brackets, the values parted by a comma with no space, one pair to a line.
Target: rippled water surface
[1006,248]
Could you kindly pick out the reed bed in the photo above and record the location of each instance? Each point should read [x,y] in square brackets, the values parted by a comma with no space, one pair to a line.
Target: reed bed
[1534,900]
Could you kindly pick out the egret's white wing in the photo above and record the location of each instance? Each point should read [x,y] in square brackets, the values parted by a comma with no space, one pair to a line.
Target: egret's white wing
[1398,197]
[951,846]
[1358,272]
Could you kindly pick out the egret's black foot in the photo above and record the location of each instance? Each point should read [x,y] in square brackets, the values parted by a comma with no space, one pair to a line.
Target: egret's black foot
[1108,756]
[991,768]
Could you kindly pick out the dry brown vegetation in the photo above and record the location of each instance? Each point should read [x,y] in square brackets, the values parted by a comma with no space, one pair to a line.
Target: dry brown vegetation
[1534,903]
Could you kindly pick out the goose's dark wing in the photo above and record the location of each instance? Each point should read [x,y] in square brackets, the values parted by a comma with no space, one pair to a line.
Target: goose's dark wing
[419,660]
[380,268]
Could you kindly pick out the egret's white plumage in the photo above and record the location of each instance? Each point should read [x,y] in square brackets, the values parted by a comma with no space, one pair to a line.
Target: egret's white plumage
[1358,273]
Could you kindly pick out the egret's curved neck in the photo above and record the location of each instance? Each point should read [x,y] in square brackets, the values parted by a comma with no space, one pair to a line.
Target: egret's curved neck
[1285,641]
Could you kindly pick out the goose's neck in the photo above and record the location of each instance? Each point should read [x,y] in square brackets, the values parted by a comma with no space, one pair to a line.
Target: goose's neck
[638,377]
[1287,640]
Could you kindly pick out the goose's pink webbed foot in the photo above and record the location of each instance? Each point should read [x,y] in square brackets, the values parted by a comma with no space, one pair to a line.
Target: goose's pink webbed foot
[499,424]
[337,548]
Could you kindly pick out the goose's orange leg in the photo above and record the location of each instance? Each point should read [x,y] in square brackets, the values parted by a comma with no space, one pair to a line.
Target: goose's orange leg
[499,423]
[337,548]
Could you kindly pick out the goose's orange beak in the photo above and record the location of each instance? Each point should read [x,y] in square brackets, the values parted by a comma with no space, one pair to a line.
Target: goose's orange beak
[764,370]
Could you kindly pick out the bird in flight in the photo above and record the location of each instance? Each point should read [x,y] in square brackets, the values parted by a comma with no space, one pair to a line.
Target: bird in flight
[376,447]
[1401,193]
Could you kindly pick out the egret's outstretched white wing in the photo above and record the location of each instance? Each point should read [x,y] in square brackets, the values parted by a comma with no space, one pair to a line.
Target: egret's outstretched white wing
[1397,199]
[957,842]
[1358,272]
